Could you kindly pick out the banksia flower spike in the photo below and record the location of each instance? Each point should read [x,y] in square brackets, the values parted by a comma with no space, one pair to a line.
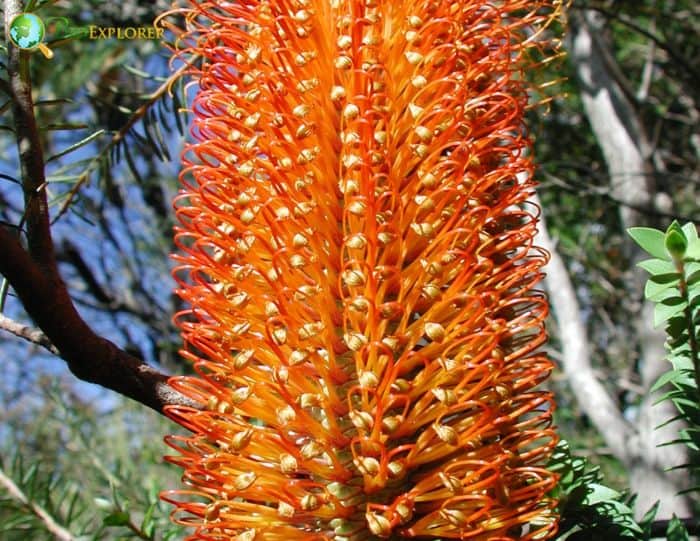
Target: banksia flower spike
[356,249]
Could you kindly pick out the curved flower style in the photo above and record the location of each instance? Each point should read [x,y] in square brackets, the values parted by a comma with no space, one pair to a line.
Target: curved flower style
[356,249]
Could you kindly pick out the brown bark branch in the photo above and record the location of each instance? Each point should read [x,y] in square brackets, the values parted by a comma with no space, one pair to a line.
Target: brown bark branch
[34,276]
[31,156]
[90,357]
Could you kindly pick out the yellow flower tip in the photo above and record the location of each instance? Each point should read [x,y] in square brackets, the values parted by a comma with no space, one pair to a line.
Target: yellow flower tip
[435,331]
[244,480]
[378,524]
[288,464]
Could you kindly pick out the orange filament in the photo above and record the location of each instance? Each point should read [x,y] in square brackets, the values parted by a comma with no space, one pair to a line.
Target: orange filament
[355,248]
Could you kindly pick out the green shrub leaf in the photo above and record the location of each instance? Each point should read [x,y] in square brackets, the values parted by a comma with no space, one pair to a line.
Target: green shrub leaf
[676,530]
[118,518]
[675,241]
[658,266]
[668,308]
[650,240]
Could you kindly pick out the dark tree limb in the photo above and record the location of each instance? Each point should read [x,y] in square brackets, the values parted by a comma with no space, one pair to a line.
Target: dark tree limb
[34,276]
[30,151]
[89,357]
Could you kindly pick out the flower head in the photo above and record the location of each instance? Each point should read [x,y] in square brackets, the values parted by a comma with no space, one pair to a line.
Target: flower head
[356,249]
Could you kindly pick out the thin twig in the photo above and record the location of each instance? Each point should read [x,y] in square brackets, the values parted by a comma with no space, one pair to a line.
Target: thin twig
[58,531]
[605,192]
[30,334]
[120,135]
[630,23]
[647,71]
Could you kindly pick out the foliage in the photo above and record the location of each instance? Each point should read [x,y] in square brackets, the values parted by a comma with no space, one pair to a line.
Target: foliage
[674,287]
[589,509]
[94,466]
[109,114]
[583,213]
[592,511]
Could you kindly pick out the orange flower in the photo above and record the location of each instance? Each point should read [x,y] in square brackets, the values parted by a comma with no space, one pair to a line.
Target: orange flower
[356,249]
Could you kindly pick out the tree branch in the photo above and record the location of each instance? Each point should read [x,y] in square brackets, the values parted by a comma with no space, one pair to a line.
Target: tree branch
[58,531]
[24,332]
[89,357]
[34,274]
[613,118]
[118,137]
[672,52]
[31,156]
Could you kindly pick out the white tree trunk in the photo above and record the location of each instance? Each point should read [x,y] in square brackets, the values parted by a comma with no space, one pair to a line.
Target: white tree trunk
[625,148]
[590,393]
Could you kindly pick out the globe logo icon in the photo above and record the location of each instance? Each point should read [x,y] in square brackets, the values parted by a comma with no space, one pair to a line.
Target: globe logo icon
[27,32]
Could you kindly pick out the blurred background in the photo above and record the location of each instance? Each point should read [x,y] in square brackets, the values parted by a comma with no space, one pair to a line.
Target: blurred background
[617,141]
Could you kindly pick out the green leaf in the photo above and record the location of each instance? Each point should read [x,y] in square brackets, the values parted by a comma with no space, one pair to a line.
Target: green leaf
[675,240]
[679,441]
[148,525]
[667,309]
[690,490]
[73,501]
[660,283]
[657,266]
[648,518]
[600,493]
[30,475]
[691,233]
[692,272]
[676,530]
[77,145]
[681,362]
[118,518]
[667,377]
[650,240]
